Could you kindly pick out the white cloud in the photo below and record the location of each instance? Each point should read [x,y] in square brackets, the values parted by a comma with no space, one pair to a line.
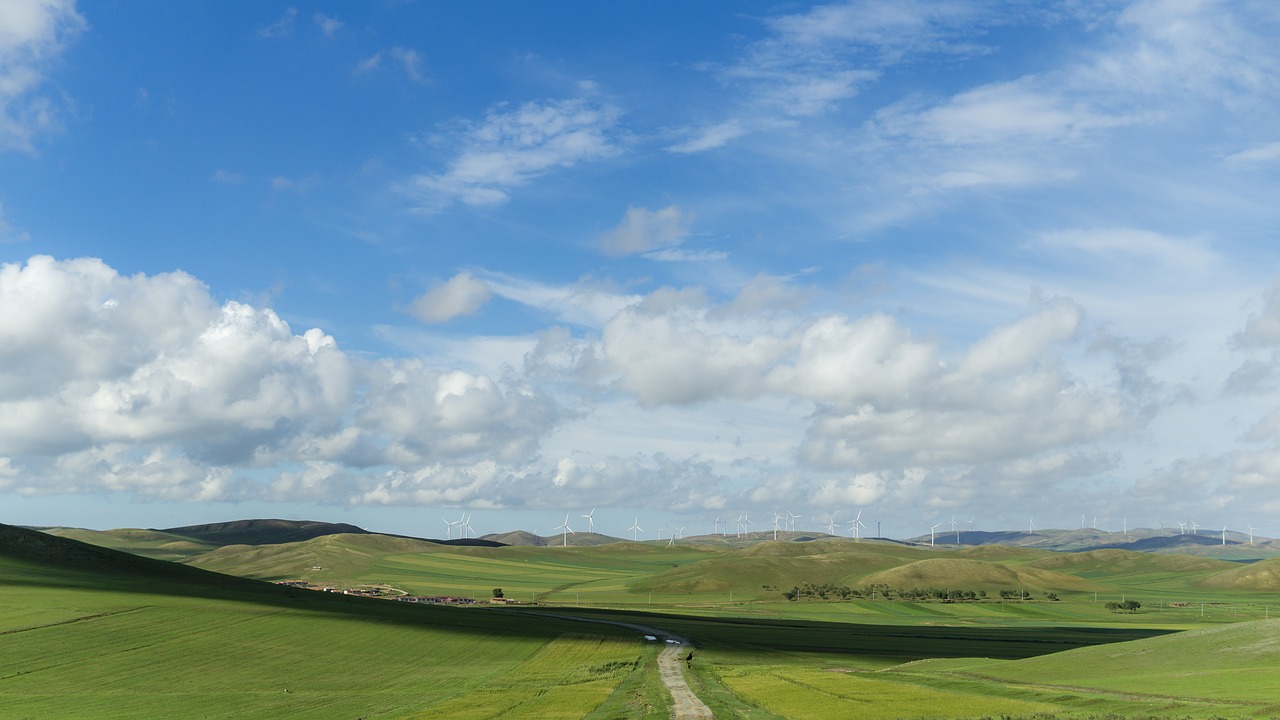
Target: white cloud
[328,25]
[280,28]
[679,255]
[1011,112]
[709,138]
[1256,155]
[585,303]
[1262,329]
[8,234]
[226,177]
[642,230]
[512,147]
[1132,246]
[33,33]
[145,385]
[460,295]
[368,64]
[410,60]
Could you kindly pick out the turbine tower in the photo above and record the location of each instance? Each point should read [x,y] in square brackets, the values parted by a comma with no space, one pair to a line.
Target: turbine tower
[856,525]
[931,529]
[1251,529]
[591,521]
[1224,534]
[566,530]
[636,530]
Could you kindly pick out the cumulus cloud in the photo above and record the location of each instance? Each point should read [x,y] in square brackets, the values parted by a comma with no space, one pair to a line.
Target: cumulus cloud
[146,385]
[512,147]
[461,295]
[642,230]
[33,33]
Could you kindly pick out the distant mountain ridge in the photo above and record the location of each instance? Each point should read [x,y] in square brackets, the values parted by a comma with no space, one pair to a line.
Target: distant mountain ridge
[263,531]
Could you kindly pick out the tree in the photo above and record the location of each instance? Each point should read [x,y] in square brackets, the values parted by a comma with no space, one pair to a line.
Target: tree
[497,592]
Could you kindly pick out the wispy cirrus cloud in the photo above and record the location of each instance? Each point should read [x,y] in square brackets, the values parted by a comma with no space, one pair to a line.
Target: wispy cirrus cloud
[328,25]
[282,27]
[511,147]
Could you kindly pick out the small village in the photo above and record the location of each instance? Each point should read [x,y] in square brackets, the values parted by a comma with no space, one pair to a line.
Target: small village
[390,593]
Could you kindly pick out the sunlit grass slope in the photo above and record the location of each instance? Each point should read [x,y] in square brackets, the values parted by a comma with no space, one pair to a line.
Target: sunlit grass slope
[87,632]
[1262,576]
[1231,671]
[964,573]
[148,543]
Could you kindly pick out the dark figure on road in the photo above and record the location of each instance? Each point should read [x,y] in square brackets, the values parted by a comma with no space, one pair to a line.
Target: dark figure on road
[688,661]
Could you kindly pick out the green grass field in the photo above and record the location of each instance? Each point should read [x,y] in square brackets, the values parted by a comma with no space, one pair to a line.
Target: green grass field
[125,639]
[86,633]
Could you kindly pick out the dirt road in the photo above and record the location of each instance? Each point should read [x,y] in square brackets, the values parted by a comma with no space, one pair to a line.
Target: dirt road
[684,704]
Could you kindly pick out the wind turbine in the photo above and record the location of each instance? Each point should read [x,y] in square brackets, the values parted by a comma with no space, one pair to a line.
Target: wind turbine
[954,529]
[1194,527]
[791,520]
[831,523]
[1182,528]
[1081,521]
[715,525]
[566,530]
[448,529]
[675,535]
[776,518]
[971,519]
[1125,526]
[1224,534]
[1031,524]
[591,520]
[636,530]
[931,529]
[1251,529]
[466,526]
[1095,522]
[856,525]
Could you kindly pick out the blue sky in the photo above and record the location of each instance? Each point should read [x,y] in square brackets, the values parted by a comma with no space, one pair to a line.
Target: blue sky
[389,262]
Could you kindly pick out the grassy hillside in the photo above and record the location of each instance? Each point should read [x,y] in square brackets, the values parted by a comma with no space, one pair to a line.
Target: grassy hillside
[328,558]
[1229,670]
[967,574]
[93,633]
[1261,576]
[262,532]
[148,543]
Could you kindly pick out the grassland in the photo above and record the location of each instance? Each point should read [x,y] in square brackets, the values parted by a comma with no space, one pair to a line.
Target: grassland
[760,657]
[86,632]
